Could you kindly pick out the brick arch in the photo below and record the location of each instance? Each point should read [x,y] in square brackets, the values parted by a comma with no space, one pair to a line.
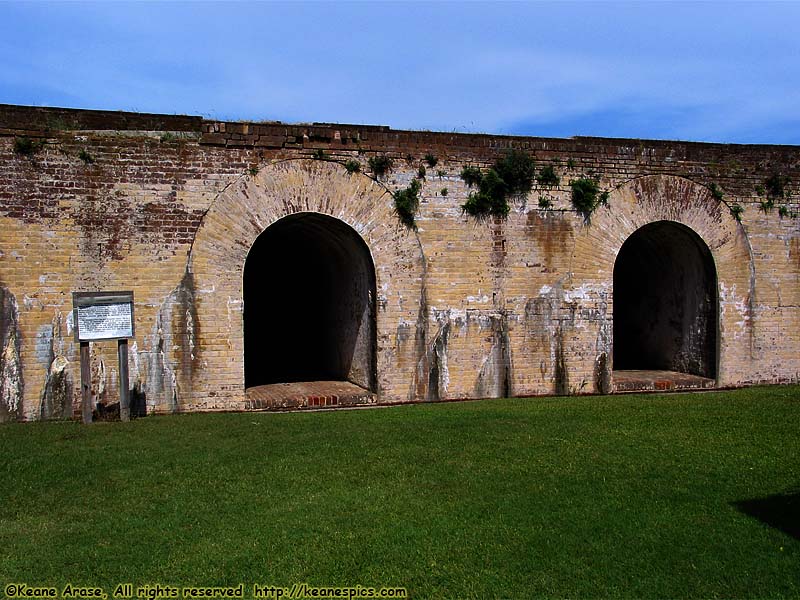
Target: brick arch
[650,199]
[244,210]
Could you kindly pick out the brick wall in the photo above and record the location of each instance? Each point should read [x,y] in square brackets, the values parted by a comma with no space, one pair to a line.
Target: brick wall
[169,206]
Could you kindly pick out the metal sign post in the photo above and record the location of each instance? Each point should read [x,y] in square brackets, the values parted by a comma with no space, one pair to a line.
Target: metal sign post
[103,316]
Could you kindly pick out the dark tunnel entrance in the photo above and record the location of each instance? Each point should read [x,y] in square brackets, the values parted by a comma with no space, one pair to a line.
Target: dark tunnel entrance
[665,302]
[309,311]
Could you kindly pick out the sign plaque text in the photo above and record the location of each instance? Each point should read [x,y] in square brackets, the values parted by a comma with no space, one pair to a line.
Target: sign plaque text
[103,315]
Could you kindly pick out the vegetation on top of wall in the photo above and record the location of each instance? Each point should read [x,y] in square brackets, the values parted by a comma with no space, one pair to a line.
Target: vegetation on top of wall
[380,165]
[319,154]
[586,196]
[511,175]
[25,146]
[406,202]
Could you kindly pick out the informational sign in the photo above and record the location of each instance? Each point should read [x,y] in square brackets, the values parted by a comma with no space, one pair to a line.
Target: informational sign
[103,315]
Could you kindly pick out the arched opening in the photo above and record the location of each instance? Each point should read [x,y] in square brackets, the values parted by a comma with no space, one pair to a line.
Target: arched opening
[309,310]
[665,302]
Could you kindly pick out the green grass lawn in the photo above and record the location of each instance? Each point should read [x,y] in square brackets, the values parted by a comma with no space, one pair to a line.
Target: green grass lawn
[683,495]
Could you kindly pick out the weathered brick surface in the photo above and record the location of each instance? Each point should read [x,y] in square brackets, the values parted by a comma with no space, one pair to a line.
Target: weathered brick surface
[169,206]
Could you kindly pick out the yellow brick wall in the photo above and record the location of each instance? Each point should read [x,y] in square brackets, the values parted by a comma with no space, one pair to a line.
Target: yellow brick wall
[465,309]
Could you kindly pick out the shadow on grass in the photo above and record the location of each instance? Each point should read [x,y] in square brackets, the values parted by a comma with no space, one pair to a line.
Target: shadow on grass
[781,511]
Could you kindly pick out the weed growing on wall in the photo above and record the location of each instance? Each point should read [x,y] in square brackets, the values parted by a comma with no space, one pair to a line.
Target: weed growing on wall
[716,193]
[380,165]
[86,157]
[586,196]
[352,166]
[512,175]
[547,177]
[735,209]
[431,160]
[406,202]
[517,170]
[471,175]
[776,185]
[490,199]
[25,146]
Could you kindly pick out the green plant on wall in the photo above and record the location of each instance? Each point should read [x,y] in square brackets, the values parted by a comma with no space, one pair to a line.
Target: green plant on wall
[766,205]
[380,165]
[517,170]
[471,175]
[548,177]
[716,193]
[319,154]
[352,166]
[406,202]
[586,196]
[25,146]
[431,160]
[86,157]
[490,199]
[776,185]
[735,209]
[511,175]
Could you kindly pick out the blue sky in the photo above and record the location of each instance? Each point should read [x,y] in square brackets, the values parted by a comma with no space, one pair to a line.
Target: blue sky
[717,71]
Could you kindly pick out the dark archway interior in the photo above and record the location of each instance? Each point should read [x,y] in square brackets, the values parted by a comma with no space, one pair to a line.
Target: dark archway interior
[309,289]
[665,302]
